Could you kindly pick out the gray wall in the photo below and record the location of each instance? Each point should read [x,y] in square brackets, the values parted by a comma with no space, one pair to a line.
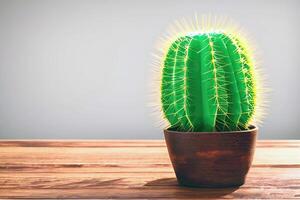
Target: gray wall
[80,69]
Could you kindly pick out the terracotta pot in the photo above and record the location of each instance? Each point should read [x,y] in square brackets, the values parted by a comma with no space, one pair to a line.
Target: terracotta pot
[211,159]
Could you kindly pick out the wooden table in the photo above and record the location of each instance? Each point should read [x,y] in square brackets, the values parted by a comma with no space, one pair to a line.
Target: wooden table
[135,169]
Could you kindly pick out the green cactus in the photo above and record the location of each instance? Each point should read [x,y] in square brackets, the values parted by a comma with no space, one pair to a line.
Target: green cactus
[208,83]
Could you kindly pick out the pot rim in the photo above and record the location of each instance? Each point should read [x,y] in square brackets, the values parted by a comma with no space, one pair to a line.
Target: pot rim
[252,129]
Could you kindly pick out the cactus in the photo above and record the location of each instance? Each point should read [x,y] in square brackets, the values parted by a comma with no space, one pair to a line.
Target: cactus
[208,83]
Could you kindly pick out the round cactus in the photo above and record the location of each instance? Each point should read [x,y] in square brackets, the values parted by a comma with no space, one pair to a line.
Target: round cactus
[208,83]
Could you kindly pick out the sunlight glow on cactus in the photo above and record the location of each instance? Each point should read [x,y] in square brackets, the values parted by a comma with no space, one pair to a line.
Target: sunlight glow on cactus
[208,78]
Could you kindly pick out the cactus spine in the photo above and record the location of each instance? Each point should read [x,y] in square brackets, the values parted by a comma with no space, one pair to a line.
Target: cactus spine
[208,83]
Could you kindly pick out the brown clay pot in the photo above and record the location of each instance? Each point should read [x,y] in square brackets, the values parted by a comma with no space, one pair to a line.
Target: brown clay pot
[211,159]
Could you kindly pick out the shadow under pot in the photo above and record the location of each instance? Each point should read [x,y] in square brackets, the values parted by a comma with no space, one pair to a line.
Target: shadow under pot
[211,159]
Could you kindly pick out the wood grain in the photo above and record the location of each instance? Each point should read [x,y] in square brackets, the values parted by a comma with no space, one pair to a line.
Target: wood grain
[136,169]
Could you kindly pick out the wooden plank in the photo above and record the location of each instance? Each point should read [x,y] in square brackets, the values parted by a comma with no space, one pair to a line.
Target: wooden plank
[257,178]
[121,143]
[124,155]
[149,193]
[91,168]
[82,143]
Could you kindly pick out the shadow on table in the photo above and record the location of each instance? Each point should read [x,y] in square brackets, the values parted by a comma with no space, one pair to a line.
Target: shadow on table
[171,188]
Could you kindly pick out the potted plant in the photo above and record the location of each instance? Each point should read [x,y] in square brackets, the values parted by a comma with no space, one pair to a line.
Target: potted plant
[208,96]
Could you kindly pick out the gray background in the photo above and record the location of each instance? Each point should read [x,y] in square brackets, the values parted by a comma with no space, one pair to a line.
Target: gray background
[80,69]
